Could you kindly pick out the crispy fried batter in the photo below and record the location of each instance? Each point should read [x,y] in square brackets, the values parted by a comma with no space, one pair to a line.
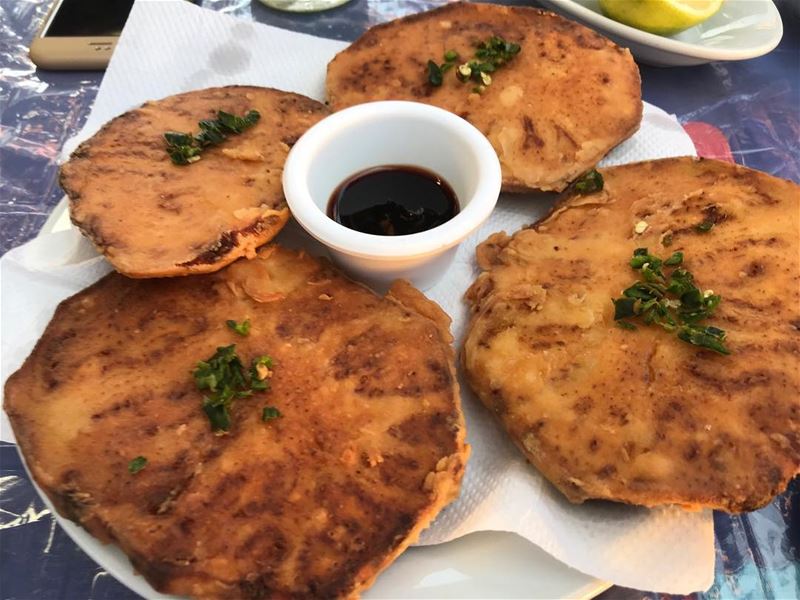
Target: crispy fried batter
[313,504]
[553,112]
[640,416]
[152,218]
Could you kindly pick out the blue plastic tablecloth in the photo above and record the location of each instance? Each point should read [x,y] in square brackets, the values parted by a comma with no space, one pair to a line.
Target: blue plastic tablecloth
[754,105]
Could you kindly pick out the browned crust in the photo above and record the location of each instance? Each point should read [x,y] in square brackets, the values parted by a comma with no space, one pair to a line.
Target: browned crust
[367,39]
[233,245]
[441,484]
[774,466]
[445,482]
[229,246]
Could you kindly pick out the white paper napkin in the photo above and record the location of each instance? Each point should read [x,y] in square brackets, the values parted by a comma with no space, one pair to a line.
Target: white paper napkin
[171,47]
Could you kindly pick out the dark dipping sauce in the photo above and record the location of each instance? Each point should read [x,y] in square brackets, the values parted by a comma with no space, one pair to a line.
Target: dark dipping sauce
[393,200]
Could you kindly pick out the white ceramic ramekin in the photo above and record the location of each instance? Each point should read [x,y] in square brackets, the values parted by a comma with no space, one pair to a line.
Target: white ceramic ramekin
[392,133]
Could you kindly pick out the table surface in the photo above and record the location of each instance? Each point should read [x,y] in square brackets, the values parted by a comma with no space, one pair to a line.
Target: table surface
[745,111]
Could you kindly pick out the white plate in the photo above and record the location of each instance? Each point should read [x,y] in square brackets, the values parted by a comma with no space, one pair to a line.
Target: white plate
[480,565]
[486,564]
[741,29]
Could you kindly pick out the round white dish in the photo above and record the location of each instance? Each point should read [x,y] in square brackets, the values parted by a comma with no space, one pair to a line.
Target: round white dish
[487,564]
[742,29]
[378,134]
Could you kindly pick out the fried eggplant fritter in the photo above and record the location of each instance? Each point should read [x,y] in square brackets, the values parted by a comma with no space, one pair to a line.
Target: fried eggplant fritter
[641,416]
[368,447]
[551,112]
[153,218]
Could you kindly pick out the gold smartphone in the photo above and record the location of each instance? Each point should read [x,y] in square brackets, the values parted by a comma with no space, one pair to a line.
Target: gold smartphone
[79,34]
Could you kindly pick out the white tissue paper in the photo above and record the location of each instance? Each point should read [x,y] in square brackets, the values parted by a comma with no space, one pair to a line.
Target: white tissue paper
[172,47]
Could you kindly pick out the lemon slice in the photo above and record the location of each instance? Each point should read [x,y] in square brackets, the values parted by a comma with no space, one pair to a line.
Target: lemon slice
[663,17]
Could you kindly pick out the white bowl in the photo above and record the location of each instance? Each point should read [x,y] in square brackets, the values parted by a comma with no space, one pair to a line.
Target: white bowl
[392,133]
[740,30]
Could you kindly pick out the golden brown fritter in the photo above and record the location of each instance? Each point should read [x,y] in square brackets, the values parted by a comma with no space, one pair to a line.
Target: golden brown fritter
[640,416]
[551,113]
[314,503]
[152,218]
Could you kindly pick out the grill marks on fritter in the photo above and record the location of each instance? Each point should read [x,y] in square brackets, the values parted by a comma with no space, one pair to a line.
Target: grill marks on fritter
[313,503]
[541,143]
[366,358]
[676,423]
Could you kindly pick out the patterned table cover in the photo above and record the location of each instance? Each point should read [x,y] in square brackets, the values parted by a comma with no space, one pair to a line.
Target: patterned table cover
[747,112]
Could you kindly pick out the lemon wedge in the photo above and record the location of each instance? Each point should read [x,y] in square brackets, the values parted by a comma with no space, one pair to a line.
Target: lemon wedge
[663,17]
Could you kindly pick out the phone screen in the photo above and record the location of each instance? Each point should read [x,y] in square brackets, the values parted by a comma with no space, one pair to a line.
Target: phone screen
[89,18]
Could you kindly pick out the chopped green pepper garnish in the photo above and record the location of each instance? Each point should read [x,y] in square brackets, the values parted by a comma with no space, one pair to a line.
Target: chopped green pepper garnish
[489,56]
[137,464]
[704,226]
[671,300]
[242,328]
[185,148]
[269,413]
[589,182]
[223,376]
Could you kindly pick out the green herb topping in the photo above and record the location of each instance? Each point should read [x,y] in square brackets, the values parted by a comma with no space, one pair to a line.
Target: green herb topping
[671,300]
[451,56]
[223,375]
[185,148]
[435,75]
[436,72]
[674,260]
[242,328]
[260,372]
[489,56]
[269,413]
[704,226]
[589,182]
[181,148]
[137,464]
